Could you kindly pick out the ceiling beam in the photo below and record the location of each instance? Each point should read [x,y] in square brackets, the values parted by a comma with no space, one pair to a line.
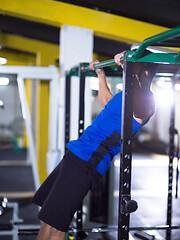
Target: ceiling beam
[30,29]
[58,13]
[17,58]
[28,45]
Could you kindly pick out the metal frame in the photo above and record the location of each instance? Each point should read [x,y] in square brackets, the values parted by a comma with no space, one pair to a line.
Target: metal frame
[67,109]
[170,168]
[126,151]
[82,72]
[82,76]
[35,73]
[171,37]
[15,226]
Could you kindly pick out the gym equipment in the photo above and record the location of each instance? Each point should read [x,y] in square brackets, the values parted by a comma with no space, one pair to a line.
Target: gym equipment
[170,38]
[80,71]
[15,227]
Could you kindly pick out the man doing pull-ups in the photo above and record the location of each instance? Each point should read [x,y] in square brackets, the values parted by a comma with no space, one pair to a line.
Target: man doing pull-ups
[89,157]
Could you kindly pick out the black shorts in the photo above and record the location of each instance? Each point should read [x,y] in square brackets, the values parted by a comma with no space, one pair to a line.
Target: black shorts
[64,190]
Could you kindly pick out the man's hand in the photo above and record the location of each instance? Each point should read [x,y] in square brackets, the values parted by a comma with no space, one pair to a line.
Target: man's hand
[118,57]
[104,92]
[98,70]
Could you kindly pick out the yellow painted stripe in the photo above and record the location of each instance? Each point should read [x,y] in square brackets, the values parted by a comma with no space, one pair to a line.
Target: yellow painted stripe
[59,13]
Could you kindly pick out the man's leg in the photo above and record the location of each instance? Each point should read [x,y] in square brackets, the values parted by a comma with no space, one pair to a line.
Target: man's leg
[44,232]
[47,232]
[56,234]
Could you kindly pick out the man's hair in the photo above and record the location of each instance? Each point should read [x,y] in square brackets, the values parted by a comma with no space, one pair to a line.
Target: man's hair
[151,67]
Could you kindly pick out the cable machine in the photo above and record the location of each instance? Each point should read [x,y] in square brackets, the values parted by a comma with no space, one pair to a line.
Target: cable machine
[170,38]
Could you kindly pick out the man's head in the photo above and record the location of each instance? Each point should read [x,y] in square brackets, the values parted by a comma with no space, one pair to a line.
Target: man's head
[144,105]
[145,72]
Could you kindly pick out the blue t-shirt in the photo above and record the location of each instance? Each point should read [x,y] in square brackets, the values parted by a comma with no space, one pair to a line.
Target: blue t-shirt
[100,141]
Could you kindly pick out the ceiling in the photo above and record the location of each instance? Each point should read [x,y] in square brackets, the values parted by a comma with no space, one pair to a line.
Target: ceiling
[159,12]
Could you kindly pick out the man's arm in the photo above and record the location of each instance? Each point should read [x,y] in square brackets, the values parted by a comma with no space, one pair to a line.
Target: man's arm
[104,92]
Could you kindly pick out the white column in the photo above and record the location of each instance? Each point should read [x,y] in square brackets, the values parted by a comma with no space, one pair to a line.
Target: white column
[76,45]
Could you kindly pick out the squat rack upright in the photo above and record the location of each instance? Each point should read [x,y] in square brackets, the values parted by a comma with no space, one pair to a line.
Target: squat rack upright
[169,38]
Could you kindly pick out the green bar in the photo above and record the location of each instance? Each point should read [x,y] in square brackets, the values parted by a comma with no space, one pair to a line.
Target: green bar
[171,58]
[156,39]
[107,63]
[177,57]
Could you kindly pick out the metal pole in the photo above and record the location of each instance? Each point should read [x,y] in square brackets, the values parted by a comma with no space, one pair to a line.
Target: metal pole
[107,63]
[170,170]
[27,119]
[126,152]
[81,130]
[67,109]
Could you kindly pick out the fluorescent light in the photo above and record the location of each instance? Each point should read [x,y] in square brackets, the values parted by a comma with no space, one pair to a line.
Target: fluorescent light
[152,49]
[164,82]
[164,98]
[167,84]
[3,60]
[1,103]
[119,86]
[4,81]
[177,87]
[164,74]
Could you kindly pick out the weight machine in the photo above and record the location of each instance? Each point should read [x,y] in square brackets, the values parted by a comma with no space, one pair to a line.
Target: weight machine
[170,38]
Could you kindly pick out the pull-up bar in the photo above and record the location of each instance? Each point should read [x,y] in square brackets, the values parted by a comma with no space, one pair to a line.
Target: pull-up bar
[157,40]
[171,58]
[156,57]
[107,63]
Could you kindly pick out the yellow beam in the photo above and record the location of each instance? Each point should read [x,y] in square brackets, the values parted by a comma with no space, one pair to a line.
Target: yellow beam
[100,57]
[58,13]
[29,45]
[16,58]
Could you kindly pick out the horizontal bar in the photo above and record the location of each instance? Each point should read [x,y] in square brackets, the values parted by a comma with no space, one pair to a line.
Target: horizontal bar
[111,229]
[107,63]
[161,58]
[152,57]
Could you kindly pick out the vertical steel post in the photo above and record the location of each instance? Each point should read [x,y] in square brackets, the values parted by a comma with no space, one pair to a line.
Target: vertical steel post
[170,169]
[82,75]
[67,108]
[126,150]
[28,124]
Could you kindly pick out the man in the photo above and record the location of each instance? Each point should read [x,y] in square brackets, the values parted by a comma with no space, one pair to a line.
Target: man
[90,156]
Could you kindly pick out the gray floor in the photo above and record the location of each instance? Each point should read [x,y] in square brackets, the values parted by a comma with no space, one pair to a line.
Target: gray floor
[149,189]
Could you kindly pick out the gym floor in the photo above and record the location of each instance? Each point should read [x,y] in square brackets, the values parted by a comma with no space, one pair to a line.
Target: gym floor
[149,189]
